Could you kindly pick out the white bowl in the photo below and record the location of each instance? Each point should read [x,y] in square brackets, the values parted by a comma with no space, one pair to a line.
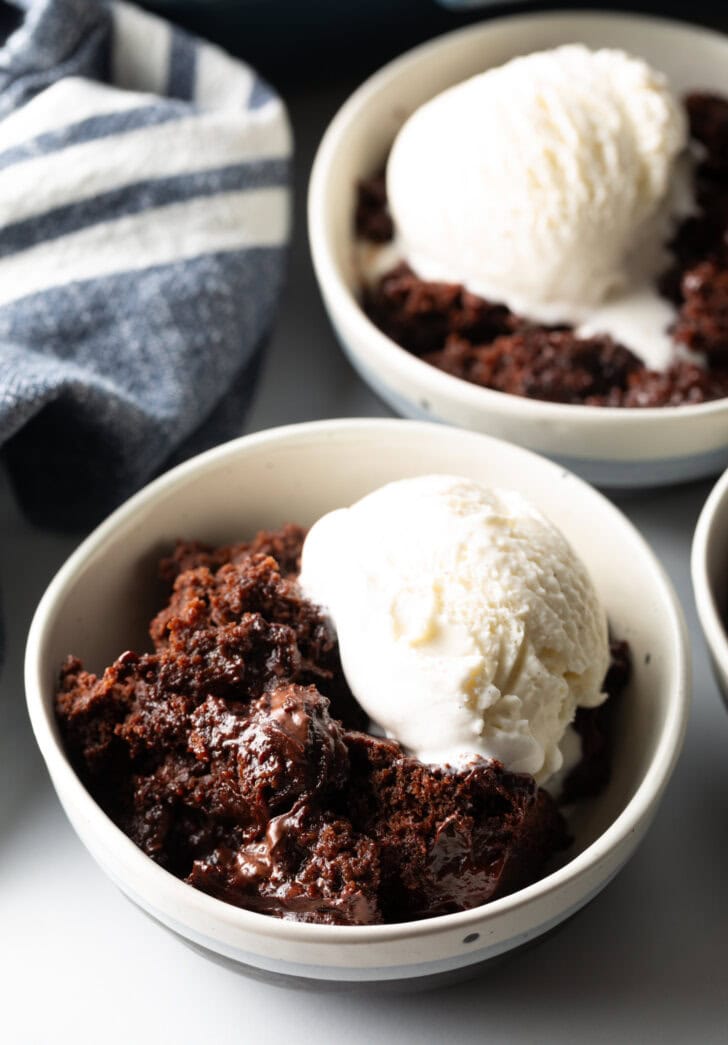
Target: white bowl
[101,599]
[709,567]
[607,446]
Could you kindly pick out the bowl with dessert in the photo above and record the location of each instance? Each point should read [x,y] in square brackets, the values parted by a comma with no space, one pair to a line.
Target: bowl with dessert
[519,228]
[361,701]
[709,569]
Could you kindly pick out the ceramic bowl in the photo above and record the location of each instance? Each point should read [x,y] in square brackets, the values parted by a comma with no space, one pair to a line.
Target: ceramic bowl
[709,567]
[607,446]
[102,598]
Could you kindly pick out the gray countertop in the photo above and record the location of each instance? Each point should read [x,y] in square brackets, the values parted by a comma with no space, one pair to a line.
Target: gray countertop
[644,962]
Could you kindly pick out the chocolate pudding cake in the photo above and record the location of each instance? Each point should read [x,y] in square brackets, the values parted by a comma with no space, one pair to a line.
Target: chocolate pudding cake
[486,343]
[235,756]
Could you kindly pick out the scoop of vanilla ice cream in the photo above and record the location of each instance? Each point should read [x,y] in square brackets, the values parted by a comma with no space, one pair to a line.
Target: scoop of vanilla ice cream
[544,183]
[466,623]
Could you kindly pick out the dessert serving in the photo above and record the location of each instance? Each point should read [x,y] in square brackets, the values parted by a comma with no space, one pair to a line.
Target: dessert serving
[237,756]
[554,228]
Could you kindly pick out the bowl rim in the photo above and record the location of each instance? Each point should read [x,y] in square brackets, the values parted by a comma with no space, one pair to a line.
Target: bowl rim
[388,352]
[170,893]
[714,630]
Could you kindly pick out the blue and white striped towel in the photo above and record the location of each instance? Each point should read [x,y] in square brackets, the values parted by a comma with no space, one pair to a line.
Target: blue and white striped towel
[144,212]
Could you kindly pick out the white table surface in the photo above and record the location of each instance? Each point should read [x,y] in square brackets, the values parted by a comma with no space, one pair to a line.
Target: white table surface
[646,962]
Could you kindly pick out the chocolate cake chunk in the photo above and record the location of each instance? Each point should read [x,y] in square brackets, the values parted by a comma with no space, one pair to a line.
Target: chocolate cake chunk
[449,839]
[703,321]
[242,622]
[309,866]
[290,748]
[283,545]
[372,218]
[596,727]
[544,364]
[90,709]
[708,119]
[696,239]
[680,384]
[296,859]
[421,315]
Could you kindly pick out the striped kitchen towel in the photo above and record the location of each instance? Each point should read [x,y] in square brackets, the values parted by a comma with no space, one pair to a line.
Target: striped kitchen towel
[144,212]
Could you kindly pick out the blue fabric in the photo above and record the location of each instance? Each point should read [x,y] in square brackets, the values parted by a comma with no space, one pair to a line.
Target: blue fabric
[106,377]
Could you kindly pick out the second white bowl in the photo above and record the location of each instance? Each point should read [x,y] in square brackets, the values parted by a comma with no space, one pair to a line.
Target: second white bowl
[608,446]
